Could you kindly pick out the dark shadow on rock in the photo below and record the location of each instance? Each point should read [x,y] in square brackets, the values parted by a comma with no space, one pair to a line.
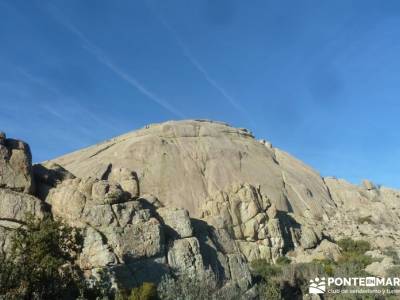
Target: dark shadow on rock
[291,292]
[135,271]
[47,177]
[106,172]
[206,234]
[288,224]
[169,233]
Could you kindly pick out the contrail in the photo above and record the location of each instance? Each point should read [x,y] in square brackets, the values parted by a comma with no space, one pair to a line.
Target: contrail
[43,83]
[103,59]
[186,52]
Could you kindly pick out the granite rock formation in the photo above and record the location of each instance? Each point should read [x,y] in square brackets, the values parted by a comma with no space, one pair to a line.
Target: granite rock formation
[192,196]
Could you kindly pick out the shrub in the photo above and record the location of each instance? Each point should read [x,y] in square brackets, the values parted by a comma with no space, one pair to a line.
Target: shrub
[391,252]
[327,265]
[393,271]
[40,264]
[350,246]
[270,276]
[146,291]
[270,291]
[298,275]
[283,260]
[265,270]
[188,286]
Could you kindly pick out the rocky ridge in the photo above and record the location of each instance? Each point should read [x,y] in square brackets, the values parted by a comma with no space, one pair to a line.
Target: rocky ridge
[190,196]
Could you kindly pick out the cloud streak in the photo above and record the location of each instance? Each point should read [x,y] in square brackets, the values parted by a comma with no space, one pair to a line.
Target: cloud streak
[200,68]
[74,107]
[106,61]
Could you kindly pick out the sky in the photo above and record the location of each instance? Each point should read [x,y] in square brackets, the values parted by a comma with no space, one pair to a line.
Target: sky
[319,79]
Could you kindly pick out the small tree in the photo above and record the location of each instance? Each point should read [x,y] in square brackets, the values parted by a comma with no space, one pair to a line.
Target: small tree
[40,264]
[188,286]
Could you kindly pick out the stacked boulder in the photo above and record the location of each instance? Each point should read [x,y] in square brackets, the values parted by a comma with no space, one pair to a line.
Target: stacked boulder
[15,165]
[259,230]
[16,184]
[127,234]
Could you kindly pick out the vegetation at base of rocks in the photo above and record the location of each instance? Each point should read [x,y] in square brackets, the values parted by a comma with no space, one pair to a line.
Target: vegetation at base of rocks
[40,264]
[290,281]
[187,286]
[349,245]
[353,260]
[393,272]
[283,260]
[146,291]
[391,252]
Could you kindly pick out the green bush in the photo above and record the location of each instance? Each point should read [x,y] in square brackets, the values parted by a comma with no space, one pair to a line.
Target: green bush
[146,291]
[353,260]
[393,271]
[40,264]
[187,286]
[391,252]
[290,281]
[350,246]
[327,265]
[265,270]
[270,276]
[283,260]
[271,291]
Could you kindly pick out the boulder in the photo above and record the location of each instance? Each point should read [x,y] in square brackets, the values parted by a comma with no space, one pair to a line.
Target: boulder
[326,250]
[379,268]
[368,184]
[88,201]
[308,238]
[95,253]
[15,207]
[239,272]
[126,179]
[15,165]
[177,220]
[104,192]
[244,213]
[50,174]
[143,239]
[2,138]
[130,212]
[184,256]
[68,202]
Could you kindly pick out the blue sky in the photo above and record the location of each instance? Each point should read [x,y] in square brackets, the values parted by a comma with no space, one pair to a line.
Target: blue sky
[319,79]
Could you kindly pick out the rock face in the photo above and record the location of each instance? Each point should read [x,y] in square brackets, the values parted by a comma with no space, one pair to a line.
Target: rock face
[192,196]
[16,182]
[257,201]
[15,165]
[364,212]
[185,162]
[15,206]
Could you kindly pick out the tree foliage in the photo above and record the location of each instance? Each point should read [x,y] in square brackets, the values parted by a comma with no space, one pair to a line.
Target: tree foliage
[40,264]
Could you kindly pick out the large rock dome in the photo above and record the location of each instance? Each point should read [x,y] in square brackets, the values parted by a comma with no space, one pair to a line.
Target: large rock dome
[184,162]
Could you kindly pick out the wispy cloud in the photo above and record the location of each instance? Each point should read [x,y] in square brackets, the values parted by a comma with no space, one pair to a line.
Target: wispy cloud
[200,68]
[106,61]
[65,110]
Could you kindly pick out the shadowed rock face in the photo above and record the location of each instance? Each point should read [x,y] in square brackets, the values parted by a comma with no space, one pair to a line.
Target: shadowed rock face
[185,162]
